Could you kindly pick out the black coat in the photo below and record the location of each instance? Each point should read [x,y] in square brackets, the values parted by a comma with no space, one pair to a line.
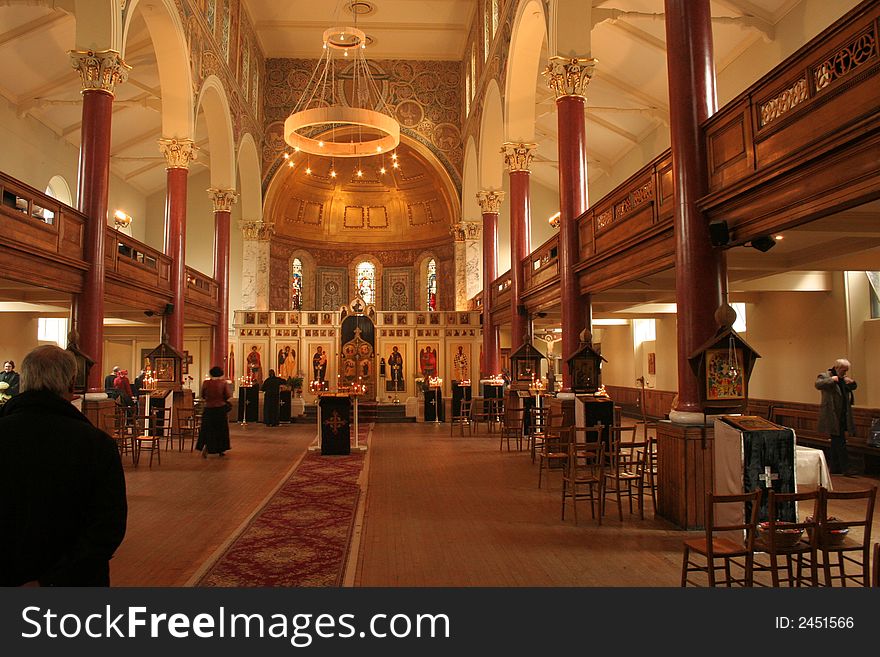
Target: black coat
[62,494]
[12,379]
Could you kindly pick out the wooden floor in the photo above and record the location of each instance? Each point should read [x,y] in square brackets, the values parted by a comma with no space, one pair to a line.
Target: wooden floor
[438,511]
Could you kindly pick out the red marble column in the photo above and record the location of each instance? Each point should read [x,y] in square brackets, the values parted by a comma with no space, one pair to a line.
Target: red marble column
[99,72]
[700,271]
[178,153]
[223,200]
[490,204]
[517,157]
[569,77]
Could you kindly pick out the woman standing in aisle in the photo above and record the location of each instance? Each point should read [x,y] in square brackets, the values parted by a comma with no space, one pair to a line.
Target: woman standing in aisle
[214,434]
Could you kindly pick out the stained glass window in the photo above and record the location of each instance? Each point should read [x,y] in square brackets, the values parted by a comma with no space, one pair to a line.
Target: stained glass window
[296,284]
[432,285]
[366,282]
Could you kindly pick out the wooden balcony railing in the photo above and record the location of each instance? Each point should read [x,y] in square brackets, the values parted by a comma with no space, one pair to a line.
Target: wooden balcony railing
[501,291]
[542,265]
[127,259]
[201,289]
[36,223]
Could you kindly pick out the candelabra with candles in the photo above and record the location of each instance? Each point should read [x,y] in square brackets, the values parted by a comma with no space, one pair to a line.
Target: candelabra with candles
[244,381]
[436,383]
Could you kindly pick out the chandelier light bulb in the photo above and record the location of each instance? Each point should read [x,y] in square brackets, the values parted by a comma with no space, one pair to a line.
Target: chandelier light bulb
[382,170]
[394,156]
[321,144]
[332,173]
[287,156]
[290,164]
[395,165]
[360,174]
[308,171]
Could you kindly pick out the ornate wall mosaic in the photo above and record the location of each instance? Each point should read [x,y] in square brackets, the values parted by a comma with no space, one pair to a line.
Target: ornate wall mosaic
[425,98]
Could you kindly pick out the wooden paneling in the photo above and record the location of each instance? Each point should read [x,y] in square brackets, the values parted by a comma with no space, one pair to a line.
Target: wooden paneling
[802,142]
[658,403]
[685,471]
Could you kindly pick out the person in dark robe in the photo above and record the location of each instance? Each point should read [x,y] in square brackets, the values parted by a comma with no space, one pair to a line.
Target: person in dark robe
[271,402]
[214,434]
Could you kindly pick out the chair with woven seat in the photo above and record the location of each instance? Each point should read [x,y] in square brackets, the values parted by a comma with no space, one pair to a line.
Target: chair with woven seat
[554,451]
[583,470]
[793,541]
[123,428]
[730,543]
[845,519]
[512,427]
[462,419]
[480,413]
[623,471]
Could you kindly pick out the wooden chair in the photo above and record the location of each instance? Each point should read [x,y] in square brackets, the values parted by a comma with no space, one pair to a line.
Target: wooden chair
[539,419]
[189,422]
[512,427]
[462,419]
[122,431]
[480,412]
[649,469]
[554,451]
[775,540]
[875,580]
[732,543]
[623,471]
[584,469]
[846,534]
[151,430]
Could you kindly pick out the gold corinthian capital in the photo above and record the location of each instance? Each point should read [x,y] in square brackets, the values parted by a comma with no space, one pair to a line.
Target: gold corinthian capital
[99,70]
[223,199]
[518,156]
[178,152]
[256,230]
[570,76]
[490,200]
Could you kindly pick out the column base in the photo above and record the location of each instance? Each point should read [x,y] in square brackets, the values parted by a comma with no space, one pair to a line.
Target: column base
[687,417]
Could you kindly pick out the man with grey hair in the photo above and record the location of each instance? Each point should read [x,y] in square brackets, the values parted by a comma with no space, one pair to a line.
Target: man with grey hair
[62,489]
[835,412]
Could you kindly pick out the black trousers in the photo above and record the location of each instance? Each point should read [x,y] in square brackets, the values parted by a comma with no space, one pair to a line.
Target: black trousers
[839,458]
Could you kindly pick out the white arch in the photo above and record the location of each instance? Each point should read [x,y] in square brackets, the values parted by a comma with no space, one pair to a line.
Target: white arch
[60,190]
[249,178]
[491,138]
[98,25]
[529,32]
[172,56]
[212,100]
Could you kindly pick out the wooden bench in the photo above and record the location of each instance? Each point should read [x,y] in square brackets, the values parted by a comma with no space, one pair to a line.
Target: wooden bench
[805,420]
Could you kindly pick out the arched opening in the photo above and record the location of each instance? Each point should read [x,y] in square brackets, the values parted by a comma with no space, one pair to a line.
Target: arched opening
[296,284]
[365,281]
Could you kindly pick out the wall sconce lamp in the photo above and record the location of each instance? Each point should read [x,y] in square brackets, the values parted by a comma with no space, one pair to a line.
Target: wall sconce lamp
[554,220]
[121,220]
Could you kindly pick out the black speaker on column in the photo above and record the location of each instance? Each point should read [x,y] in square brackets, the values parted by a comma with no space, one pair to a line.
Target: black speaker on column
[719,234]
[169,308]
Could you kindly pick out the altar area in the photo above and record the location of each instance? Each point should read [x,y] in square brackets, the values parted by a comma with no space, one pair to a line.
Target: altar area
[387,352]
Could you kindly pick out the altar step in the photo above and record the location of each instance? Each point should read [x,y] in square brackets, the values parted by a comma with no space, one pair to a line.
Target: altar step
[367,412]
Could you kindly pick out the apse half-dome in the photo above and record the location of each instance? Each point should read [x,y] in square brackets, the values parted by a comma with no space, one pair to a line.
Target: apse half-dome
[410,204]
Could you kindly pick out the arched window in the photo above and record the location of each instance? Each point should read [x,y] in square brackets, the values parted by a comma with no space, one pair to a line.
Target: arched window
[296,284]
[366,282]
[431,285]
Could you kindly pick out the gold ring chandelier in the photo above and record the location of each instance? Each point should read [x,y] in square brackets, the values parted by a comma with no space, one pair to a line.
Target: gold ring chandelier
[322,123]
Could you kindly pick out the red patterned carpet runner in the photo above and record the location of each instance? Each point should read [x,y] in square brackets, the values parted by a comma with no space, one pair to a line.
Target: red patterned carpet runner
[302,535]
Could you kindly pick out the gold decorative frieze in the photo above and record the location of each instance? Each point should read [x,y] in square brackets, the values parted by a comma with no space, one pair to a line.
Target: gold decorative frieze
[604,220]
[466,230]
[257,231]
[518,156]
[99,70]
[178,152]
[784,102]
[570,76]
[844,61]
[223,199]
[490,200]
